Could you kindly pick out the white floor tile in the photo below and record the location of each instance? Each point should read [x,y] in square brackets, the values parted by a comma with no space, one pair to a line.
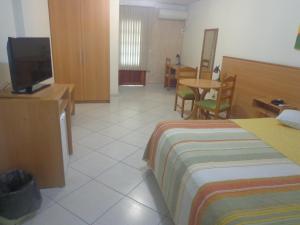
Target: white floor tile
[46,203]
[127,112]
[121,178]
[118,150]
[79,152]
[90,201]
[136,160]
[74,180]
[149,194]
[115,131]
[93,164]
[95,141]
[133,123]
[128,212]
[55,215]
[78,133]
[96,124]
[167,221]
[136,139]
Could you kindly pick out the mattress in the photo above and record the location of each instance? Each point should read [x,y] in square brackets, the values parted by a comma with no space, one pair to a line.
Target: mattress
[227,172]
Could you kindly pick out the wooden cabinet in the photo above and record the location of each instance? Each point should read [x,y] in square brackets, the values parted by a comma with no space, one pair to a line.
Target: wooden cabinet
[80,46]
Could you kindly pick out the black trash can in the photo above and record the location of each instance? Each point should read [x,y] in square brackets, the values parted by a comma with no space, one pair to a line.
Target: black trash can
[19,197]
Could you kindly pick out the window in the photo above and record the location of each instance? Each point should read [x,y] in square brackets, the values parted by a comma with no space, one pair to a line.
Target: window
[130,49]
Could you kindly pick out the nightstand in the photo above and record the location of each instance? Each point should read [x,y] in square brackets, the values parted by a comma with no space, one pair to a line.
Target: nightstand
[264,107]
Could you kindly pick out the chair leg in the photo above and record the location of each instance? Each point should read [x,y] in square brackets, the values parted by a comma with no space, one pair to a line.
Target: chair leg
[216,116]
[206,114]
[182,107]
[169,82]
[193,101]
[176,99]
[228,114]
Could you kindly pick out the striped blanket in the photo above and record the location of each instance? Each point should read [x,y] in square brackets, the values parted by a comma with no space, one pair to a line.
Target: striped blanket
[216,173]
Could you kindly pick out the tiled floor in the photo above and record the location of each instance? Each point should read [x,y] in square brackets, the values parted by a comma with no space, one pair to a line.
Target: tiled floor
[108,183]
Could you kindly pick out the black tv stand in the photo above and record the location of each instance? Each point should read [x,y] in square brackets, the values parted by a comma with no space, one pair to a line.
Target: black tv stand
[32,89]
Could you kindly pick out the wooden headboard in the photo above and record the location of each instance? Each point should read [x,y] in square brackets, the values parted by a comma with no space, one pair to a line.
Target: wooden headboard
[260,79]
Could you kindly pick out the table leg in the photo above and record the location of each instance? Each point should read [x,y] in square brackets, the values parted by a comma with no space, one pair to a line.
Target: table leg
[193,115]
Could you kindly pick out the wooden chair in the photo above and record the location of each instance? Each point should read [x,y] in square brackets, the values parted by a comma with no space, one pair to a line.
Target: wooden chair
[183,92]
[169,77]
[223,103]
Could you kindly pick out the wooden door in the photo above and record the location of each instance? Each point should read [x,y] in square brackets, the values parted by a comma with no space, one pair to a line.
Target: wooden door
[95,30]
[66,40]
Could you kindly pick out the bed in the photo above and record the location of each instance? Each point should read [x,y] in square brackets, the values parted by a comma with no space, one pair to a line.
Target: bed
[230,172]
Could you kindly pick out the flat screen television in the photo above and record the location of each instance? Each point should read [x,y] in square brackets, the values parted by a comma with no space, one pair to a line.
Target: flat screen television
[29,63]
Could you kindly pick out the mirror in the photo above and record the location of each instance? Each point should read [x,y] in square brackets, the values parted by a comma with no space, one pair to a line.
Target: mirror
[208,53]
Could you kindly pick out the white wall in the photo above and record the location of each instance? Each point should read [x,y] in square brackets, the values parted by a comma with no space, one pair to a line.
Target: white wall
[263,30]
[114,47]
[7,28]
[36,18]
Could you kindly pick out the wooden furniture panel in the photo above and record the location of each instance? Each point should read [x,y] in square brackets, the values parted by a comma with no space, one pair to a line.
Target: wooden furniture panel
[132,77]
[95,32]
[65,22]
[259,79]
[23,119]
[30,133]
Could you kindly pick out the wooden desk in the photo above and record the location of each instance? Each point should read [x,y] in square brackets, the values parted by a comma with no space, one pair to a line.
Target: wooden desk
[195,85]
[31,136]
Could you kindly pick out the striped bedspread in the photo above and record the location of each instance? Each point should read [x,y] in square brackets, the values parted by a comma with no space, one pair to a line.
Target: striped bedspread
[216,173]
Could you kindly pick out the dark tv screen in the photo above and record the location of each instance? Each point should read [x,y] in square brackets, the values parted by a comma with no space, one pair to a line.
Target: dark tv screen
[29,61]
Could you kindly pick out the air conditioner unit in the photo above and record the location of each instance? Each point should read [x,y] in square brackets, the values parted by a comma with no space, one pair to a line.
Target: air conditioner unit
[169,14]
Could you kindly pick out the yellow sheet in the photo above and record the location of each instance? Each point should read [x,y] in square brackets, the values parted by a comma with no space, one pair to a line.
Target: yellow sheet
[285,139]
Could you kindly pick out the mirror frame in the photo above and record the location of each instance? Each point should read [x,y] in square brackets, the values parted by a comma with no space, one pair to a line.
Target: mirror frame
[214,50]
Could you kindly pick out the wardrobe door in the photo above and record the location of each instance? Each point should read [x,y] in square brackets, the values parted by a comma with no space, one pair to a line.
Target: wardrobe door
[66,40]
[95,25]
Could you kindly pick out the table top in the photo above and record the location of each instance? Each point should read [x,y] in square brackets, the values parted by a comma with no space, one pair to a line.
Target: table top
[201,83]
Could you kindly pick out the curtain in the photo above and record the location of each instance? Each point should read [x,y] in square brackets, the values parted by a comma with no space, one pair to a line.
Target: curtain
[135,29]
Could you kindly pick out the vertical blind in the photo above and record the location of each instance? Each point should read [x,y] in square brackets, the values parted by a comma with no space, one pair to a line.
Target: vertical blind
[131,42]
[135,28]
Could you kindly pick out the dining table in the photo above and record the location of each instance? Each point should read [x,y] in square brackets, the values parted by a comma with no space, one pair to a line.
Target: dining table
[196,85]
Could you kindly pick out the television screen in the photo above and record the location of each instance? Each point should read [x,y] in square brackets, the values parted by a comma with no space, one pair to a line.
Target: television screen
[29,61]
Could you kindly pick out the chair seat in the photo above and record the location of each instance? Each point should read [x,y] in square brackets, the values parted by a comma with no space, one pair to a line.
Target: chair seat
[211,104]
[186,92]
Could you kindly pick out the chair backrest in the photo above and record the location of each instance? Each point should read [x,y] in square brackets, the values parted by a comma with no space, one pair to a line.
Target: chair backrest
[226,92]
[186,73]
[205,75]
[168,66]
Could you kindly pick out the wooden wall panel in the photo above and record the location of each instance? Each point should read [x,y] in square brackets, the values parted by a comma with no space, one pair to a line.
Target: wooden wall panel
[260,79]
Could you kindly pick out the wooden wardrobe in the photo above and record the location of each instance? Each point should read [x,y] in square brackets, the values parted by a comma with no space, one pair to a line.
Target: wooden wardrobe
[80,46]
